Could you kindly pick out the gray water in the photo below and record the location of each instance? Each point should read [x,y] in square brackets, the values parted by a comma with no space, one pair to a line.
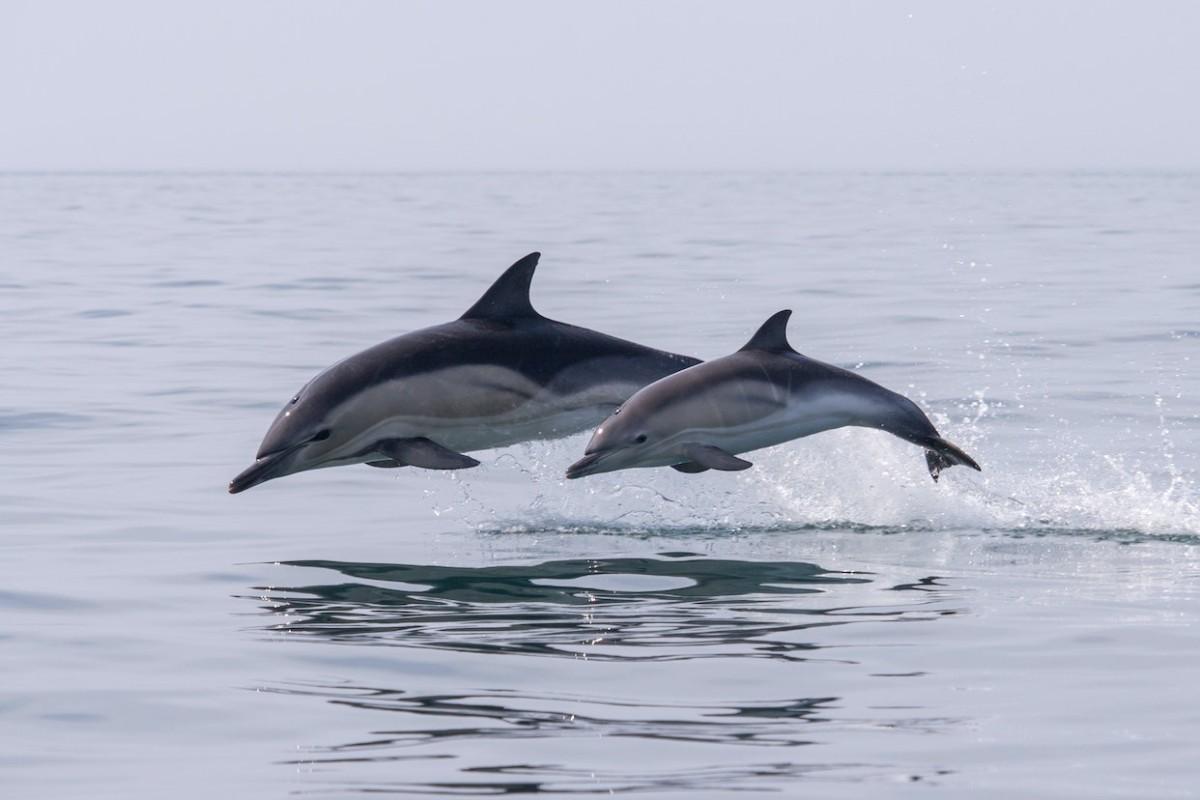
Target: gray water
[829,623]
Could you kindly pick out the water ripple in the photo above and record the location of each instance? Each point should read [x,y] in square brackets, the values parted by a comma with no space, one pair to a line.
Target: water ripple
[525,715]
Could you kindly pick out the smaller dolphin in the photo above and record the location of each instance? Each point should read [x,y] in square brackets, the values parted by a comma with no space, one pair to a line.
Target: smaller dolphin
[500,374]
[764,394]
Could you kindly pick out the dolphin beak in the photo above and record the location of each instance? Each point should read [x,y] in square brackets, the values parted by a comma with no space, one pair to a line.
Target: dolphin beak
[588,465]
[261,470]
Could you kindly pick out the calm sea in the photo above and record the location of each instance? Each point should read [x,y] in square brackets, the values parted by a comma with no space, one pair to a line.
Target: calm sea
[828,624]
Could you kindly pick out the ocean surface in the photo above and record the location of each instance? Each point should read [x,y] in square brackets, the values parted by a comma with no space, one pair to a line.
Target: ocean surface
[830,623]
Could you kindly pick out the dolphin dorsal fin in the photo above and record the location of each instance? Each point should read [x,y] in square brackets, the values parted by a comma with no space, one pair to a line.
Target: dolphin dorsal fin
[772,336]
[508,297]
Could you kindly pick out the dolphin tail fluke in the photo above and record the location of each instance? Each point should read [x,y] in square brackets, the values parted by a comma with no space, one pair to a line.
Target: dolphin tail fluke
[940,454]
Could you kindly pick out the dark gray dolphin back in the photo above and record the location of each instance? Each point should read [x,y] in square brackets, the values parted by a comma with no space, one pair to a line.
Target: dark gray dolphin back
[501,329]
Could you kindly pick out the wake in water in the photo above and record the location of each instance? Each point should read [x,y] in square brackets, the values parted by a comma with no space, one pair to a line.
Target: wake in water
[849,478]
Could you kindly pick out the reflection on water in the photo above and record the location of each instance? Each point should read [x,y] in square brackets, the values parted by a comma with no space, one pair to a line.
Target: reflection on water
[624,609]
[607,725]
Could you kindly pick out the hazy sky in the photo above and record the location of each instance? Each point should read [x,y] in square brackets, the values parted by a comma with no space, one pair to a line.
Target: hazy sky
[356,84]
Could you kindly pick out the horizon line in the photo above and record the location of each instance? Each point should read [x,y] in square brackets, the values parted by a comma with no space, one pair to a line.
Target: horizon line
[218,171]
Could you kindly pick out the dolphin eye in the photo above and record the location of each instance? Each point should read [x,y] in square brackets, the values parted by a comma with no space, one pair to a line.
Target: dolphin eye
[295,399]
[322,436]
[641,438]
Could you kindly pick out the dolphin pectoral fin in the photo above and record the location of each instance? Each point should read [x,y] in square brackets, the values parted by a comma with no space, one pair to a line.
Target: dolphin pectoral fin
[710,456]
[690,467]
[942,454]
[388,464]
[422,452]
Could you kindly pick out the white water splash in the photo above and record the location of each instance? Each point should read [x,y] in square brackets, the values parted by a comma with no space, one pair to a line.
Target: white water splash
[847,478]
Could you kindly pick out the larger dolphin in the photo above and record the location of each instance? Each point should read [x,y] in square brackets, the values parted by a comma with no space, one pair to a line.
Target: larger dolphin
[762,395]
[500,374]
